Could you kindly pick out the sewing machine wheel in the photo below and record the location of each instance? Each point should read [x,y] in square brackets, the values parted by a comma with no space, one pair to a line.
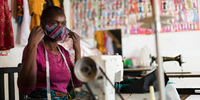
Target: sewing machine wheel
[85,69]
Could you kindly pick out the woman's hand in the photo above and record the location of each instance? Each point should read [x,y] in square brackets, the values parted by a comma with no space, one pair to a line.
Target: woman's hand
[76,44]
[36,35]
[76,40]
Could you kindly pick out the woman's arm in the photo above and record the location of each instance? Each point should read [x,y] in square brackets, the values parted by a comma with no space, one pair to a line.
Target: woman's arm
[76,45]
[28,74]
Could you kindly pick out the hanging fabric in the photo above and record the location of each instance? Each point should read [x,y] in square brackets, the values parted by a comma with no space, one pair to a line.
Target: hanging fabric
[99,37]
[19,10]
[56,3]
[68,45]
[25,30]
[6,30]
[36,7]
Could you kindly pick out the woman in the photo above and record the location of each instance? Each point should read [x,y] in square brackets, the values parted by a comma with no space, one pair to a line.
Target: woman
[32,78]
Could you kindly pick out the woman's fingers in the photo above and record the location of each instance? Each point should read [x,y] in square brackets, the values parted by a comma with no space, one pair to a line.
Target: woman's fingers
[36,35]
[74,35]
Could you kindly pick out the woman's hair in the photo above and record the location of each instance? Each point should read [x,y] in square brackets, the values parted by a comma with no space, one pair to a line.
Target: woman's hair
[50,11]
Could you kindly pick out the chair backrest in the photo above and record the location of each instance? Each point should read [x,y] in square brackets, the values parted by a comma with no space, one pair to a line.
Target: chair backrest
[11,83]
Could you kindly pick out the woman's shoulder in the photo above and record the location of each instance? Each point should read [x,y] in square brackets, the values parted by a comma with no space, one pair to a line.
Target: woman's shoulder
[63,49]
[39,47]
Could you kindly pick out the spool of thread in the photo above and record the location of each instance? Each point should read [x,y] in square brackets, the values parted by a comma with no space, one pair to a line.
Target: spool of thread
[152,94]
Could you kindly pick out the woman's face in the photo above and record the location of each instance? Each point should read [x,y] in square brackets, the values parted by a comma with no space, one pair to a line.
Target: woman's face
[58,19]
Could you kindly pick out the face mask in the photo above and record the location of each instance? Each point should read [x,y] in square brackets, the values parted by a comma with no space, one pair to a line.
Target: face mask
[58,33]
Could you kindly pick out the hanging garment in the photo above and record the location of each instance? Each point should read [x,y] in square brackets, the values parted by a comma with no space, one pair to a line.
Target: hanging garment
[25,30]
[19,10]
[68,45]
[36,7]
[99,37]
[56,3]
[6,30]
[109,45]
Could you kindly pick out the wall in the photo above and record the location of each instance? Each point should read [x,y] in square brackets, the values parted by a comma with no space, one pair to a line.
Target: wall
[172,44]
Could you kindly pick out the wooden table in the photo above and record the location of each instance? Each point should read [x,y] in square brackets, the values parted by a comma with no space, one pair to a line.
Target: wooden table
[134,69]
[187,75]
[180,74]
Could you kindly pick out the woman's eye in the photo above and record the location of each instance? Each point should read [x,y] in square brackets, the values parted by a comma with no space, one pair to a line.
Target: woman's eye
[54,23]
[63,24]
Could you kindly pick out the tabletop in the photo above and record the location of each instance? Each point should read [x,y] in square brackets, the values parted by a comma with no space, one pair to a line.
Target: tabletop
[132,69]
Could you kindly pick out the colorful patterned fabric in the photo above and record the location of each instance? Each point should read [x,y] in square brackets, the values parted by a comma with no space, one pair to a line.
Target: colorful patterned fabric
[55,95]
[68,45]
[6,30]
[19,10]
[36,7]
[56,32]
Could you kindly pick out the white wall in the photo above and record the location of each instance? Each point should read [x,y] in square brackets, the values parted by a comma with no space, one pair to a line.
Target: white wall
[172,44]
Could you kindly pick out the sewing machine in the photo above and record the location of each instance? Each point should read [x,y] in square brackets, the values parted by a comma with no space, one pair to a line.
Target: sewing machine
[98,74]
[166,59]
[177,58]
